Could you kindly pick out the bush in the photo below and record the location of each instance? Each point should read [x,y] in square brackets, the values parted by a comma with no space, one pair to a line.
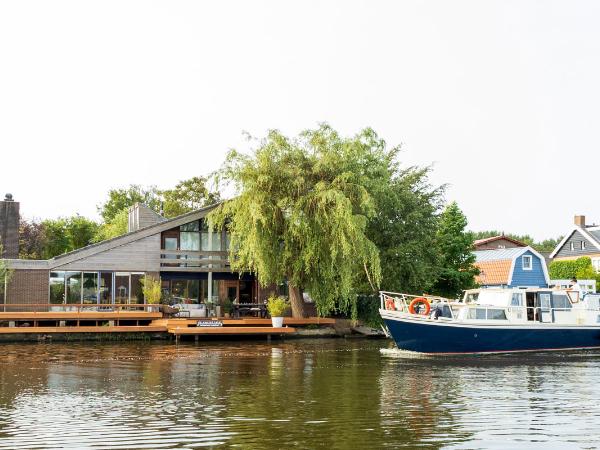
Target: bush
[277,306]
[151,289]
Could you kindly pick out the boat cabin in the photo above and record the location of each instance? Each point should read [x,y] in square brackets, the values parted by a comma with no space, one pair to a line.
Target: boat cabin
[561,306]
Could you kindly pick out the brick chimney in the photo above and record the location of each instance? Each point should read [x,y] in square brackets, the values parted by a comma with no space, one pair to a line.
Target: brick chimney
[9,228]
[580,221]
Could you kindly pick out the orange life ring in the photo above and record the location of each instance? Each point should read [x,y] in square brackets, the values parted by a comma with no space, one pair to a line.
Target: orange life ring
[389,304]
[411,307]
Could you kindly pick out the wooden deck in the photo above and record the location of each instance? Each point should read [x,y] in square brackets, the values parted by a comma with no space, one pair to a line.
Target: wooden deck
[229,330]
[256,322]
[83,315]
[82,329]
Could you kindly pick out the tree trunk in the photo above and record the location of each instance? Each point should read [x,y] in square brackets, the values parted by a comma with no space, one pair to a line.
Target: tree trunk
[297,302]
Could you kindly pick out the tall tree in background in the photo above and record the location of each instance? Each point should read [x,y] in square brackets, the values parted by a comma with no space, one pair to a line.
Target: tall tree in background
[32,239]
[301,213]
[404,229]
[188,195]
[122,199]
[455,245]
[5,274]
[117,226]
[53,237]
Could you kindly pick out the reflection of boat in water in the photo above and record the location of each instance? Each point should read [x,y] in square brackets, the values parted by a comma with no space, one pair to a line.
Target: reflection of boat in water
[493,321]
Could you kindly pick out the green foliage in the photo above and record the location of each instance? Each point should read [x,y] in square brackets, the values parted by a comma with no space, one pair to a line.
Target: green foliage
[455,245]
[404,230]
[120,199]
[116,227]
[53,237]
[367,307]
[277,306]
[188,195]
[31,239]
[151,289]
[227,306]
[547,245]
[302,210]
[580,268]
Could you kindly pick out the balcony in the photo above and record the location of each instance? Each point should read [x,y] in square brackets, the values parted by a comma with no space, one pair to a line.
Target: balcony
[193,261]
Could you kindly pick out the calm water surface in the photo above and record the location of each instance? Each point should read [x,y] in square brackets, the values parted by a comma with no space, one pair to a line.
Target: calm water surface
[333,394]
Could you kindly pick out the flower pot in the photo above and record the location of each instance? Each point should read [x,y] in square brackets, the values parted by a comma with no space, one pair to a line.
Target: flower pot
[277,322]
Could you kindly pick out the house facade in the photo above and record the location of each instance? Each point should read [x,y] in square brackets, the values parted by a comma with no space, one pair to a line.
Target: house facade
[581,240]
[511,267]
[189,258]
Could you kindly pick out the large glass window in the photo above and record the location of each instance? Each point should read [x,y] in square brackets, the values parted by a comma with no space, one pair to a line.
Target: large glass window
[136,288]
[106,287]
[122,287]
[73,283]
[57,287]
[90,287]
[189,241]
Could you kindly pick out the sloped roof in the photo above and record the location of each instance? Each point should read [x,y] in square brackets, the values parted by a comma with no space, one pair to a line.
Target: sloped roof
[498,238]
[499,254]
[494,272]
[114,242]
[592,234]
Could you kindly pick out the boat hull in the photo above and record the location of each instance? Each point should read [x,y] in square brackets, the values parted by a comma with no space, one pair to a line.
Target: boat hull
[440,337]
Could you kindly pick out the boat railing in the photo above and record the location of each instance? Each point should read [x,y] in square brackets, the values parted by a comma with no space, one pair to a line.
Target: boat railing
[396,301]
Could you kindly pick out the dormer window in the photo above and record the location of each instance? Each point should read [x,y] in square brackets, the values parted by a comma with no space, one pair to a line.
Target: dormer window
[527,262]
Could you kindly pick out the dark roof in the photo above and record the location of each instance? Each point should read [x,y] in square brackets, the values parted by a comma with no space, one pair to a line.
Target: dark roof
[497,238]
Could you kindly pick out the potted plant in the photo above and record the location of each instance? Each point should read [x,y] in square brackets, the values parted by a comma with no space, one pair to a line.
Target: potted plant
[227,307]
[151,289]
[277,306]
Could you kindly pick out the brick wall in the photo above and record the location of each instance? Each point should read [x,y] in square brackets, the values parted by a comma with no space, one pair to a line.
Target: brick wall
[27,287]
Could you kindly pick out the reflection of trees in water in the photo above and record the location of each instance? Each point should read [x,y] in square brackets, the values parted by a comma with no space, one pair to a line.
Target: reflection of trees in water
[418,397]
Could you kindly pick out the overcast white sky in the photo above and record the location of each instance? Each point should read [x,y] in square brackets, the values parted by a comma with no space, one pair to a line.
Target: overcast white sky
[501,96]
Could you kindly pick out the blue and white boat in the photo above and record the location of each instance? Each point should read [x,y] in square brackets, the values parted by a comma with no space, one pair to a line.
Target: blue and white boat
[494,321]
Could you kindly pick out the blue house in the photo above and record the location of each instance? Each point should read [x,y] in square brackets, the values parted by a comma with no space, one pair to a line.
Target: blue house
[511,267]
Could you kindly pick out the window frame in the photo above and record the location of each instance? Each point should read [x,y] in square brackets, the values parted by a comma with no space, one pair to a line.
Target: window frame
[530,265]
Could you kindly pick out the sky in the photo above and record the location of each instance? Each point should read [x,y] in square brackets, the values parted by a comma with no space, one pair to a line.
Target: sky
[501,98]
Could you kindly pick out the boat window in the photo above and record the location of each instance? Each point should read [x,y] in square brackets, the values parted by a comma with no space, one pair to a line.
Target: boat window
[560,301]
[545,301]
[477,313]
[496,314]
[517,299]
[472,297]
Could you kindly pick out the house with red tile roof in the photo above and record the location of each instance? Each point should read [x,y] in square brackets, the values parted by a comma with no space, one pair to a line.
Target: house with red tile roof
[511,267]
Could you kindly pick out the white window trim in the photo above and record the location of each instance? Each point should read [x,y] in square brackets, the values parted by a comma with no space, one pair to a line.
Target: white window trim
[582,245]
[596,264]
[530,265]
[572,246]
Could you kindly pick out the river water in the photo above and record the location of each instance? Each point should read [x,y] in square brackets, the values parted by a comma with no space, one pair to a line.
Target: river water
[334,394]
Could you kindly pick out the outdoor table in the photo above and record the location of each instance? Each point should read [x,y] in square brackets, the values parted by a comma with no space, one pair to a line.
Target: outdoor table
[260,308]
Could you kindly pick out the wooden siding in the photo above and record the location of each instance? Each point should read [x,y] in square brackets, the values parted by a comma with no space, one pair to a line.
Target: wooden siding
[533,277]
[576,238]
[138,256]
[496,244]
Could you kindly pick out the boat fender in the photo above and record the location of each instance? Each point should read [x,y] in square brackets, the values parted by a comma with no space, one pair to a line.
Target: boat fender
[415,302]
[389,304]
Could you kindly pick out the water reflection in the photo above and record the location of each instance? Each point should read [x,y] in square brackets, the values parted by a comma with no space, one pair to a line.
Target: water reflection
[307,394]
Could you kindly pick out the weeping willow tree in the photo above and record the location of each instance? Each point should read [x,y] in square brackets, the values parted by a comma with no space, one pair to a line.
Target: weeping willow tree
[301,213]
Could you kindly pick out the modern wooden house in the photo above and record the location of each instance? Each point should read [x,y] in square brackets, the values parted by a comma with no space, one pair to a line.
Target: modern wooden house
[189,258]
[581,240]
[511,267]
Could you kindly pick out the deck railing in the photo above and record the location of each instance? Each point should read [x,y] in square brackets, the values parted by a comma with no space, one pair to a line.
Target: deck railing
[81,307]
[198,261]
